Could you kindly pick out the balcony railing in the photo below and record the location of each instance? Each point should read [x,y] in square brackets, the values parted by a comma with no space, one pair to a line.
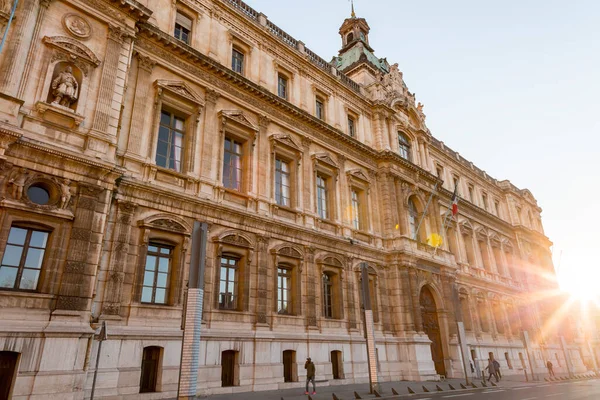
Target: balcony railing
[244,8]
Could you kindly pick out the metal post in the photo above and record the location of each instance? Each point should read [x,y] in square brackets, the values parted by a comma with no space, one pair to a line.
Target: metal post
[462,337]
[527,346]
[369,330]
[192,318]
[102,336]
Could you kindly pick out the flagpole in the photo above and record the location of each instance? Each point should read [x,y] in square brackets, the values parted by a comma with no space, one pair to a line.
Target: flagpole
[425,211]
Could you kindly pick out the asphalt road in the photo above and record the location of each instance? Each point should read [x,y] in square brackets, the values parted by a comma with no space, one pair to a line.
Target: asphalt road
[580,390]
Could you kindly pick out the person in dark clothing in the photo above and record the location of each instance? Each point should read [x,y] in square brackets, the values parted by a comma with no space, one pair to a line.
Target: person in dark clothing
[309,366]
[550,370]
[492,370]
[498,373]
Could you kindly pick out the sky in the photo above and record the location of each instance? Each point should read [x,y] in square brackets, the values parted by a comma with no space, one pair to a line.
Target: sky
[513,86]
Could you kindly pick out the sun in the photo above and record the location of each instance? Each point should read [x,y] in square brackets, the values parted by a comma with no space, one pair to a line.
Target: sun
[581,284]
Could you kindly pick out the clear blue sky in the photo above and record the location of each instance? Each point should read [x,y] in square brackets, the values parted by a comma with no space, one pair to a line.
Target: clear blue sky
[513,86]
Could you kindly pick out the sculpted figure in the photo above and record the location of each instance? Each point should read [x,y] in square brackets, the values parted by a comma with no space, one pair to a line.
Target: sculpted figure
[65,88]
[65,194]
[18,183]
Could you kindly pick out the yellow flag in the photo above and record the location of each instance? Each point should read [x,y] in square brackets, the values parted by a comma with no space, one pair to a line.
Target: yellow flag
[435,240]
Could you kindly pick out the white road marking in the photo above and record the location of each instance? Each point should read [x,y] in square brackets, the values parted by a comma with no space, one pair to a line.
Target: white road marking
[494,391]
[530,398]
[459,395]
[543,385]
[521,388]
[555,394]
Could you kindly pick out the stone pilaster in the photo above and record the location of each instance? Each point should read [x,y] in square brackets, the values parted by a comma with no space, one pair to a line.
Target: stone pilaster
[263,187]
[308,175]
[262,261]
[414,292]
[388,199]
[312,286]
[140,103]
[104,106]
[211,142]
[384,294]
[118,259]
[83,254]
[350,285]
[33,45]
[404,319]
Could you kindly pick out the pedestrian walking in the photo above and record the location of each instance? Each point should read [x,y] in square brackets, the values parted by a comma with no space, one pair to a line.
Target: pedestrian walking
[550,370]
[492,370]
[309,366]
[498,373]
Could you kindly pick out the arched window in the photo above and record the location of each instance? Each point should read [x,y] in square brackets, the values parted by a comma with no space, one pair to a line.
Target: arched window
[403,146]
[349,38]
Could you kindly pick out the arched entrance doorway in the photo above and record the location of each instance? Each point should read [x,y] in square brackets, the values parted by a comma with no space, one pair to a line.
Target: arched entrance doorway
[431,326]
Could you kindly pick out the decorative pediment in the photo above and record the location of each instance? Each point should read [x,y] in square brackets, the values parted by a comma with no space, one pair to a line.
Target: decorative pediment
[358,175]
[287,251]
[324,158]
[285,140]
[166,222]
[237,116]
[75,49]
[235,239]
[507,244]
[332,261]
[466,228]
[481,234]
[495,239]
[181,89]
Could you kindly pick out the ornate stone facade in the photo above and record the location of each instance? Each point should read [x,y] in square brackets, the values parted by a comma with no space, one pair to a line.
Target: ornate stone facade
[123,122]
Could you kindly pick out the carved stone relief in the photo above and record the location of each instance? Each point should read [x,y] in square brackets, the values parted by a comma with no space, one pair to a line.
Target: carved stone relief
[77,26]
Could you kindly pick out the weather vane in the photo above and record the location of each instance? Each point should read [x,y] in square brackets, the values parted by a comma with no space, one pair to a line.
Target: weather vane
[353,15]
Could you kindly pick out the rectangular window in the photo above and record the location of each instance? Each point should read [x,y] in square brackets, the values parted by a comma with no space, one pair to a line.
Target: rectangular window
[169,150]
[322,195]
[282,183]
[319,108]
[471,195]
[157,272]
[183,27]
[228,283]
[284,290]
[232,164]
[282,86]
[439,171]
[497,207]
[484,199]
[23,258]
[356,220]
[455,184]
[237,61]
[351,126]
[327,295]
[403,146]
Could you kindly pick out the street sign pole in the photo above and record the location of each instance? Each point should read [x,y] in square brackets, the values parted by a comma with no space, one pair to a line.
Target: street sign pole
[102,336]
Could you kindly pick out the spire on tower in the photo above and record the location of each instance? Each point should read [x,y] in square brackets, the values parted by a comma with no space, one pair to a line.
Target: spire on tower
[353,15]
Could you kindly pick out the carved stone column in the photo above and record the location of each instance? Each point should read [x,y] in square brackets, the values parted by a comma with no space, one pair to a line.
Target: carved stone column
[262,261]
[102,117]
[83,253]
[386,182]
[384,294]
[118,258]
[406,299]
[308,178]
[140,102]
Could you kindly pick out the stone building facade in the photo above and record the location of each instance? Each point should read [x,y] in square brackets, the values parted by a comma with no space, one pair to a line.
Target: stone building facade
[122,122]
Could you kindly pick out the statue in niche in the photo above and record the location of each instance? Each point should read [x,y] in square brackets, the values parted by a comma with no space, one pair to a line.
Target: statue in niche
[65,88]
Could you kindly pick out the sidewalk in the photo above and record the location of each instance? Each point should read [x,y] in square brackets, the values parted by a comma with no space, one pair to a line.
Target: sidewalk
[346,392]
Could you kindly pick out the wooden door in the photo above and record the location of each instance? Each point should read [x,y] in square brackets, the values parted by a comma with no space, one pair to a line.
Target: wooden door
[150,369]
[8,366]
[228,368]
[336,364]
[289,358]
[431,326]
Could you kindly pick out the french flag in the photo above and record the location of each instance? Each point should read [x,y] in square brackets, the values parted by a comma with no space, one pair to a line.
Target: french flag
[455,201]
